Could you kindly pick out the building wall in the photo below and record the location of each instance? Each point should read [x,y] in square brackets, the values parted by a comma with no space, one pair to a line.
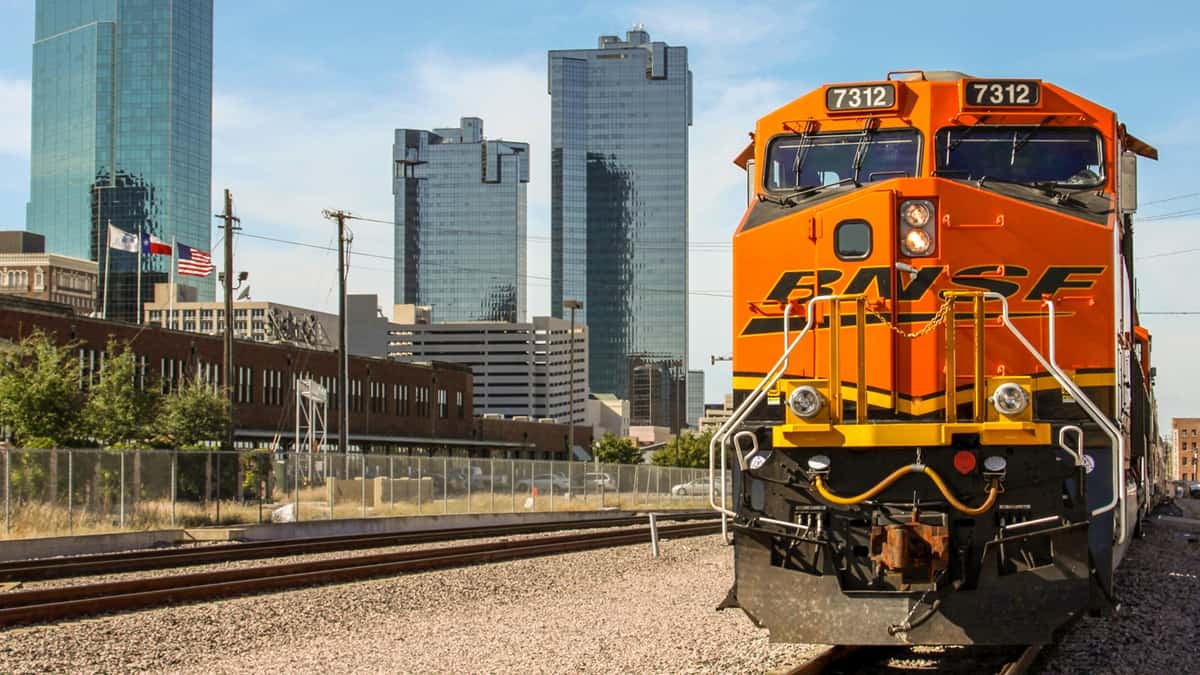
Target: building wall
[122,133]
[52,278]
[460,214]
[392,404]
[695,398]
[521,369]
[619,193]
[1185,437]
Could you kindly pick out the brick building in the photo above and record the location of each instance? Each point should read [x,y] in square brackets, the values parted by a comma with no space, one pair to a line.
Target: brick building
[393,406]
[1185,440]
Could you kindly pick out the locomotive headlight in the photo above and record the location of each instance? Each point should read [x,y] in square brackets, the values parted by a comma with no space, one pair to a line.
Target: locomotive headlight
[1010,399]
[917,227]
[805,401]
[917,242]
[916,212]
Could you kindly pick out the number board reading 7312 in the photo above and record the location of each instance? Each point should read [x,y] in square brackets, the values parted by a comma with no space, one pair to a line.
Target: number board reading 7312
[989,93]
[861,97]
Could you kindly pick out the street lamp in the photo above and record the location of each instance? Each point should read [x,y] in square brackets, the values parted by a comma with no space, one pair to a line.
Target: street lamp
[572,305]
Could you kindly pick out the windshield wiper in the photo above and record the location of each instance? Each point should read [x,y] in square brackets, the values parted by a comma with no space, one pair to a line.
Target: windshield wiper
[789,200]
[1018,144]
[1054,190]
[860,150]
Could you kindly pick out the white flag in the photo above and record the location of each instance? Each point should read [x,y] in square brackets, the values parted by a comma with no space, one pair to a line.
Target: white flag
[122,240]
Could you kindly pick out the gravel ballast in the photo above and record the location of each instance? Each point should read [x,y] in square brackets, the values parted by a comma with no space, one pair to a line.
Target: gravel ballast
[607,611]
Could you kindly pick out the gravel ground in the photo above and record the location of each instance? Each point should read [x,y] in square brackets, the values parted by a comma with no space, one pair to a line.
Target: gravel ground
[1156,630]
[609,611]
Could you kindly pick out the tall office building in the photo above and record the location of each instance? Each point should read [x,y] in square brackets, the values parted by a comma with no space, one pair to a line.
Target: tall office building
[619,192]
[122,134]
[460,222]
[695,398]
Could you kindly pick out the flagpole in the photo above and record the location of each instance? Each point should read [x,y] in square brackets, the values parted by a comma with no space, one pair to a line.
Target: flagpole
[141,245]
[171,283]
[107,257]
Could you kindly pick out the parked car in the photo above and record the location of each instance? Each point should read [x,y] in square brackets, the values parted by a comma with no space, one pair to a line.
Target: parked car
[597,481]
[696,486]
[545,483]
[1194,489]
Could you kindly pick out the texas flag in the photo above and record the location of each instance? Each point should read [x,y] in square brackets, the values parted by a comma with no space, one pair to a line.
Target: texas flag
[152,245]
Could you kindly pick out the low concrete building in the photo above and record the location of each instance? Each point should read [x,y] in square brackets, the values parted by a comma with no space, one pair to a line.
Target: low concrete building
[715,415]
[276,323]
[607,414]
[522,370]
[26,270]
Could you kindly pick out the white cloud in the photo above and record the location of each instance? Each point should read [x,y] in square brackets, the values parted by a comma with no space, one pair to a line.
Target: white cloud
[16,98]
[286,158]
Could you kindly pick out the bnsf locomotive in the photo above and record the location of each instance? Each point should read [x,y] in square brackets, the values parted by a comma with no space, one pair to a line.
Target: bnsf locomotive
[942,386]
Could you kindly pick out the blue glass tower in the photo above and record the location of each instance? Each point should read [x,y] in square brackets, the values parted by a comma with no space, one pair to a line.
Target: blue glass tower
[460,205]
[122,134]
[619,193]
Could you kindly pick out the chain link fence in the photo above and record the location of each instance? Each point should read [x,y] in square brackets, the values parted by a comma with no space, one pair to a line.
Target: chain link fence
[60,492]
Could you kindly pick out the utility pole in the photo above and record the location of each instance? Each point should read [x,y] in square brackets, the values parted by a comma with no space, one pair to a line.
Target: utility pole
[231,225]
[343,350]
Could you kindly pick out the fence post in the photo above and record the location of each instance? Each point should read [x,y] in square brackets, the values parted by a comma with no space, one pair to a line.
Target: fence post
[512,483]
[70,490]
[420,484]
[296,484]
[445,485]
[469,477]
[174,481]
[392,481]
[7,491]
[362,474]
[492,480]
[329,487]
[122,489]
[618,486]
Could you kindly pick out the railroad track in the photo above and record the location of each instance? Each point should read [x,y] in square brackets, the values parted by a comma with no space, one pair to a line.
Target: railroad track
[136,561]
[872,659]
[34,606]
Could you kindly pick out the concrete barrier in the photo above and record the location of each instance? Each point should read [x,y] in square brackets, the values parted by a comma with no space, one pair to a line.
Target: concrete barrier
[51,547]
[347,526]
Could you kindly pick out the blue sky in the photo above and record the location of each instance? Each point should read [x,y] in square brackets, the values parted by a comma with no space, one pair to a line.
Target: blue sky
[306,95]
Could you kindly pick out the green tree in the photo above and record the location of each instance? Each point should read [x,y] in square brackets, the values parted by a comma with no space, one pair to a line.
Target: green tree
[193,415]
[613,449]
[40,397]
[686,449]
[117,410]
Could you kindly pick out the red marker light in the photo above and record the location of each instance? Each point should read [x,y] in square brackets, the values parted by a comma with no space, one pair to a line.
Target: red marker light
[964,461]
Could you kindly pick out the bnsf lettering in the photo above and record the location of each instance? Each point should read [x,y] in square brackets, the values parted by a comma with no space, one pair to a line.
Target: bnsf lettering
[803,285]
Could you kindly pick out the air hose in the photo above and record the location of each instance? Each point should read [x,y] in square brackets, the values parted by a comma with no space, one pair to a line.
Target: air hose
[829,496]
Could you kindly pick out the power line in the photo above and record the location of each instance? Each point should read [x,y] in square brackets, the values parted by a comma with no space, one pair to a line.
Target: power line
[705,293]
[1168,254]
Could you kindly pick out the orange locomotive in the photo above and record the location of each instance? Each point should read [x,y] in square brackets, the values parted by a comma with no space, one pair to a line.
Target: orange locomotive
[944,399]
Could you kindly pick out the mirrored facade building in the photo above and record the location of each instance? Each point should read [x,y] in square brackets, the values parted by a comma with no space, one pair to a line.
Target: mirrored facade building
[122,134]
[460,214]
[619,192]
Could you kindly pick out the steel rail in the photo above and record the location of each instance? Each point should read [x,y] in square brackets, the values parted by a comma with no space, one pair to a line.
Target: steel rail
[70,602]
[836,656]
[133,561]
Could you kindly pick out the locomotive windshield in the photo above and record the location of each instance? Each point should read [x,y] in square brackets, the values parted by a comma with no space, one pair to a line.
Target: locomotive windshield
[807,161]
[1033,155]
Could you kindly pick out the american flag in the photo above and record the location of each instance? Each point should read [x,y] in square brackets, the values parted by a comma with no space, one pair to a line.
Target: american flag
[194,262]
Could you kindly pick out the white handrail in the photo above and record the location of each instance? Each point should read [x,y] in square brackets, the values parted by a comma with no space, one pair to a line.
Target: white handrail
[739,415]
[1089,407]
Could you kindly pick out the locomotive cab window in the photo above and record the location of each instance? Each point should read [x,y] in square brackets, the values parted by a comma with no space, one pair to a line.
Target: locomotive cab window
[813,161]
[1072,157]
[852,240]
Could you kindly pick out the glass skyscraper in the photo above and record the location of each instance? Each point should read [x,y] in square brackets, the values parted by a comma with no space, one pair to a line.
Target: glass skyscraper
[122,134]
[619,193]
[460,222]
